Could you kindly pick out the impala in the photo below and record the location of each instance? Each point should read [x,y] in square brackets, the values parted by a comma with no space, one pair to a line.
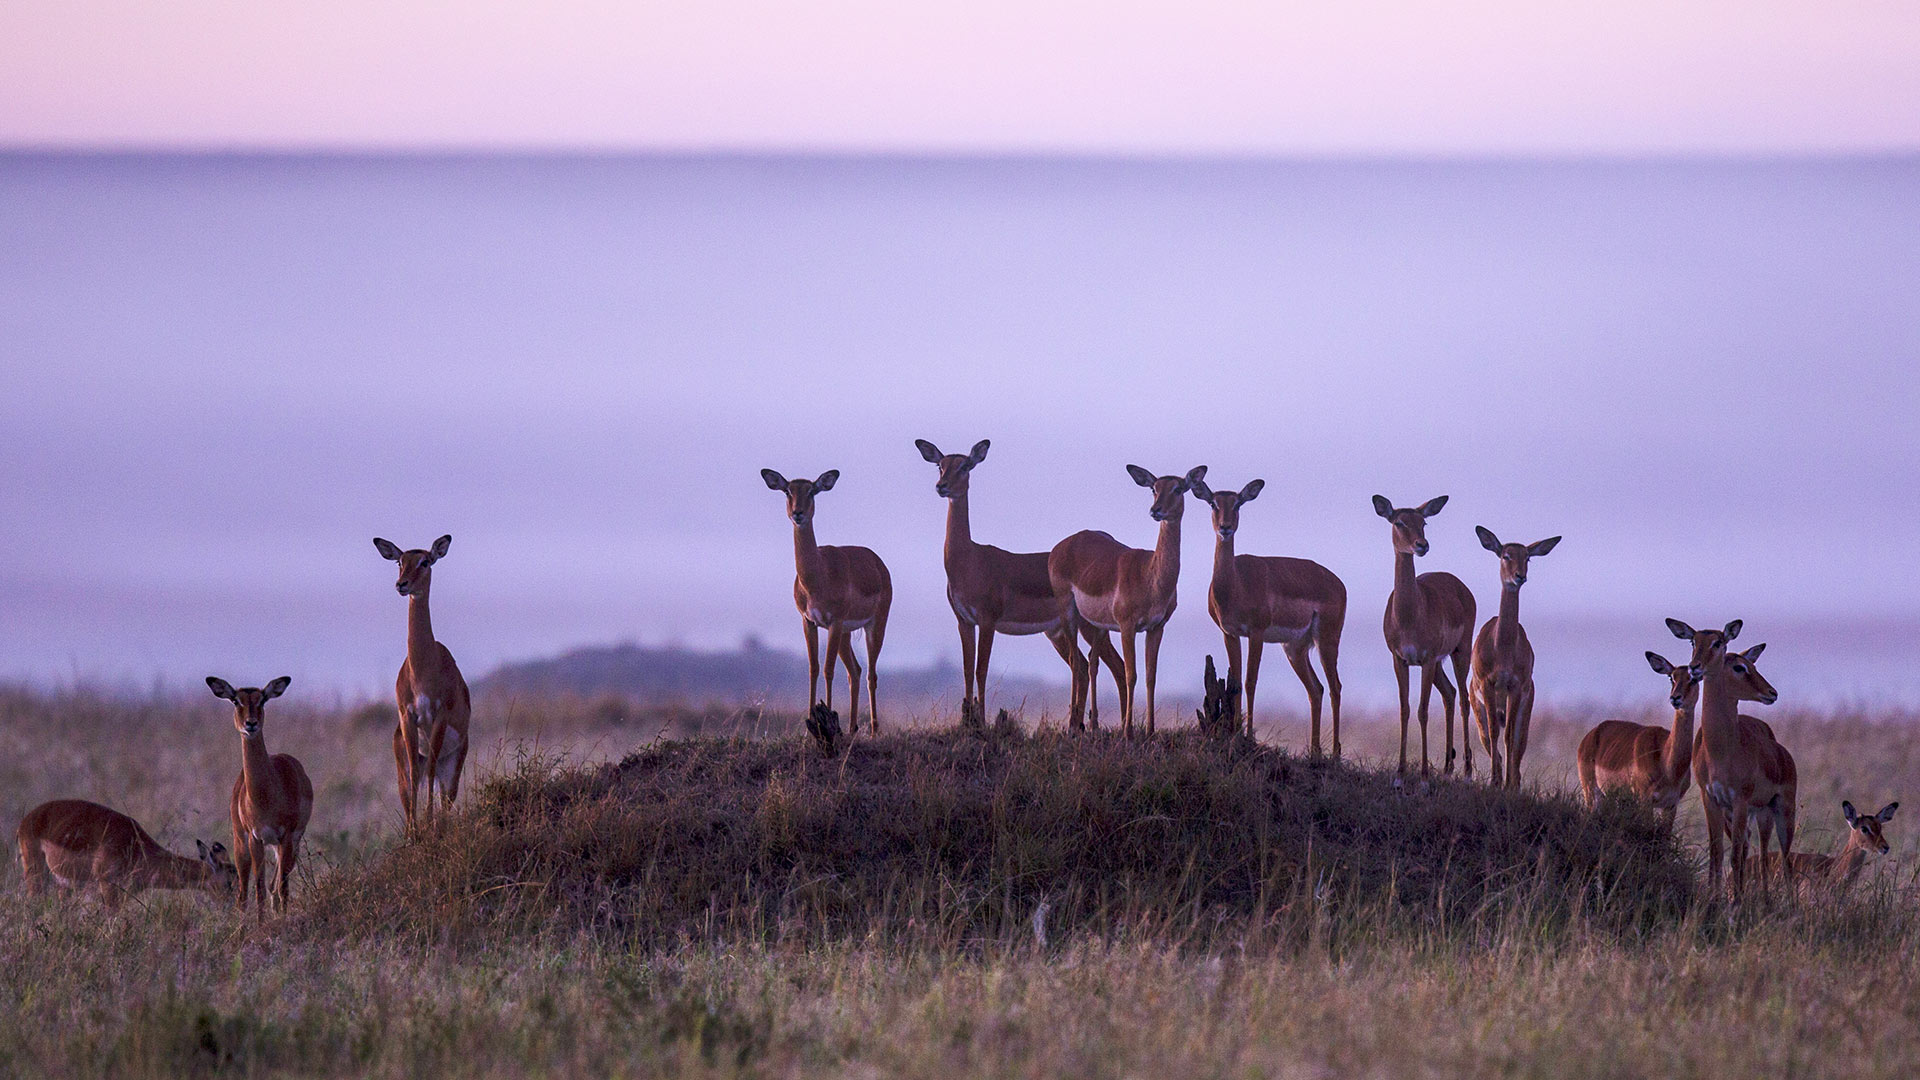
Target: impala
[1742,770]
[1503,662]
[1295,602]
[995,591]
[1118,589]
[272,797]
[1836,873]
[80,845]
[1652,762]
[841,588]
[430,742]
[1429,620]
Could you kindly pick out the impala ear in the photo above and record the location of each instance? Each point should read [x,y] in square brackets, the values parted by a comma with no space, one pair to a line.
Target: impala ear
[221,688]
[1140,476]
[1754,653]
[826,480]
[774,480]
[1252,490]
[387,549]
[206,855]
[1200,490]
[1732,630]
[277,687]
[1660,664]
[1433,506]
[1886,812]
[1541,547]
[440,546]
[1382,507]
[978,454]
[1847,811]
[1487,539]
[929,452]
[1680,630]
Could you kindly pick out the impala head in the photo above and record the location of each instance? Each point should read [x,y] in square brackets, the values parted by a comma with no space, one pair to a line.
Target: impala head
[953,467]
[1169,492]
[250,703]
[224,876]
[416,565]
[1685,681]
[1708,645]
[1226,504]
[1866,827]
[1410,524]
[800,493]
[1513,557]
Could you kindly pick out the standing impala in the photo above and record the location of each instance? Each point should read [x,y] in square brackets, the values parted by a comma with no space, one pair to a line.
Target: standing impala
[1296,602]
[1742,770]
[995,591]
[841,588]
[80,845]
[1652,762]
[430,742]
[1503,661]
[272,797]
[1429,620]
[1115,588]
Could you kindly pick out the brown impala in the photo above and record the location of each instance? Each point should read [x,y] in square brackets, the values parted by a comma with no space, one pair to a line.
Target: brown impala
[82,845]
[1429,620]
[1115,588]
[841,588]
[272,797]
[996,591]
[430,742]
[1503,662]
[1652,762]
[1835,874]
[1295,602]
[1742,770]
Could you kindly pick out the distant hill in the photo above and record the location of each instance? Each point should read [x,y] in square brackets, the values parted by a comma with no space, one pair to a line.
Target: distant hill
[751,674]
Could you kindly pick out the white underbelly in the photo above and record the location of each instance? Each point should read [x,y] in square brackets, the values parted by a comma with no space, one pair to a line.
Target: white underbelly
[1096,610]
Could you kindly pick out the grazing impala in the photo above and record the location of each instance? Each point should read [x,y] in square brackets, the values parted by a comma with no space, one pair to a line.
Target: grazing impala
[80,845]
[1835,874]
[1295,602]
[1742,770]
[430,742]
[841,588]
[1429,620]
[272,797]
[1503,661]
[1652,762]
[1118,589]
[995,591]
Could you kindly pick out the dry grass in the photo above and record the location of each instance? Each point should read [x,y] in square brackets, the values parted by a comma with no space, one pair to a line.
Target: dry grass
[613,903]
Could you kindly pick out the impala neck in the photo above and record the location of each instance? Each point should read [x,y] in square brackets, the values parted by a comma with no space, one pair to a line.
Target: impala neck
[419,625]
[1720,712]
[1166,557]
[807,560]
[1406,591]
[1508,635]
[959,528]
[256,765]
[1222,566]
[170,871]
[1851,860]
[1679,755]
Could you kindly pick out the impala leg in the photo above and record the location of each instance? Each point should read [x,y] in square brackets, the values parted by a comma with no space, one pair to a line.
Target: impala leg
[813,666]
[243,864]
[853,681]
[1737,846]
[1400,676]
[1427,672]
[1061,638]
[1126,691]
[1519,722]
[966,664]
[403,765]
[1103,642]
[1763,824]
[876,637]
[1446,706]
[434,742]
[1256,646]
[1330,659]
[1462,672]
[1153,669]
[985,654]
[833,657]
[1303,666]
[1787,813]
[259,876]
[1716,836]
[1237,678]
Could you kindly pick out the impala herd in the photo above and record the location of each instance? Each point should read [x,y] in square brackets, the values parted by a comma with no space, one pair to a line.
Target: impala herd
[1089,587]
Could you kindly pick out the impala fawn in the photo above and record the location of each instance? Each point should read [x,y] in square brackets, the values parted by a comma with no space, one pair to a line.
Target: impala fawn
[272,797]
[1835,874]
[81,845]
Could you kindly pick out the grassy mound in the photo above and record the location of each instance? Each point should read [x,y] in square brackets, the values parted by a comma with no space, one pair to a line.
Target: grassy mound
[963,837]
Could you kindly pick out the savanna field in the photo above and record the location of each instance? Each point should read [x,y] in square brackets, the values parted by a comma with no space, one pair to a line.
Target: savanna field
[649,892]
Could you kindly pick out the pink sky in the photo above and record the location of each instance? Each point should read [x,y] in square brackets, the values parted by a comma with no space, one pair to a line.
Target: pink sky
[1367,76]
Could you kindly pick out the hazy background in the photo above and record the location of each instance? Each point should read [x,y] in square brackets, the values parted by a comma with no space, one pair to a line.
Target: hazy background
[1499,252]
